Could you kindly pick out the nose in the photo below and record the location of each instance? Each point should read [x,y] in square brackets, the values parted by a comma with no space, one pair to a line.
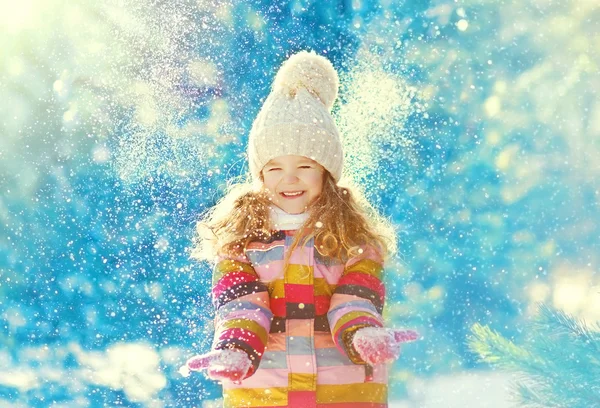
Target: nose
[290,177]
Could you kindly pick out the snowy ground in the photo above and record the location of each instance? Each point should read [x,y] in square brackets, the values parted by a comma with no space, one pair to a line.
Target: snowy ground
[461,390]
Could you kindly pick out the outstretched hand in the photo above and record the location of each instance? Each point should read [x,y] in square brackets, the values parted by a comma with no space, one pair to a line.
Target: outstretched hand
[379,345]
[221,365]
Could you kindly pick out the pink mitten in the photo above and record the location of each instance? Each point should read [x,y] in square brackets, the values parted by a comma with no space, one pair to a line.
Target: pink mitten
[220,365]
[378,345]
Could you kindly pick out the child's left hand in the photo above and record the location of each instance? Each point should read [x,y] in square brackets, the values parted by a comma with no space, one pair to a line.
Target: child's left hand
[379,345]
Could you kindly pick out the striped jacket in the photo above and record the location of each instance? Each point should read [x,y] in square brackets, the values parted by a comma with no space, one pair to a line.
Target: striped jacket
[296,324]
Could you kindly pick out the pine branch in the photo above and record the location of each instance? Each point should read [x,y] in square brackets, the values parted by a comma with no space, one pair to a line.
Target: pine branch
[571,348]
[557,322]
[494,348]
[560,360]
[533,396]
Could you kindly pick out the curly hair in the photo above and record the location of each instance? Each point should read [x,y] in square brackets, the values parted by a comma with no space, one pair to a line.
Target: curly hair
[341,221]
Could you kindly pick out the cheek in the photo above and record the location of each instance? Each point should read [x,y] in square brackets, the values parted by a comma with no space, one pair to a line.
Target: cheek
[316,183]
[268,182]
[320,188]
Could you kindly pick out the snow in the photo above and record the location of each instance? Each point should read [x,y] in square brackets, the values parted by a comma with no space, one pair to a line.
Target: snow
[476,389]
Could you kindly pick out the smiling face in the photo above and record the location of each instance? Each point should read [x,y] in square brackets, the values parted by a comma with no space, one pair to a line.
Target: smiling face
[293,182]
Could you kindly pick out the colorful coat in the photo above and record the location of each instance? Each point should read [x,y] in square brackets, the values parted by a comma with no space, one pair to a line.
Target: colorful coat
[295,324]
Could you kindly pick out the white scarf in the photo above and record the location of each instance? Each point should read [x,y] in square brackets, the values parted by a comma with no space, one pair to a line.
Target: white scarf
[285,221]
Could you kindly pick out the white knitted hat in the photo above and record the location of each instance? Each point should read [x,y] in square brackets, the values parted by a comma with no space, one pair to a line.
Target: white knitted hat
[295,118]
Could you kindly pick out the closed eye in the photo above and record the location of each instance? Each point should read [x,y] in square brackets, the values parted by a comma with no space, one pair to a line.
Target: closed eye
[306,167]
[274,168]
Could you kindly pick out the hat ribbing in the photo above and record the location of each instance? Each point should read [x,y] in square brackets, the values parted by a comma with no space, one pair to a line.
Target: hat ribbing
[295,118]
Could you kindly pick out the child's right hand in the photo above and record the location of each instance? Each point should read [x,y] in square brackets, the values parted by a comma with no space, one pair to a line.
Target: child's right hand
[220,365]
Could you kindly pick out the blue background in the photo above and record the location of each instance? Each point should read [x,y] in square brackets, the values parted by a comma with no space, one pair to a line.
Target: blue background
[121,123]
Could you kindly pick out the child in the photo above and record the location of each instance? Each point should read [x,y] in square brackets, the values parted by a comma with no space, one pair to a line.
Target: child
[297,284]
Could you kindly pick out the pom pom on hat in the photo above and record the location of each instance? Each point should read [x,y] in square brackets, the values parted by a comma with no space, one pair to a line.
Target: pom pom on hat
[310,71]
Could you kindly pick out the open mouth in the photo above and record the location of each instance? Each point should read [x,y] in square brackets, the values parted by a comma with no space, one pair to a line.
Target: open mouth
[291,194]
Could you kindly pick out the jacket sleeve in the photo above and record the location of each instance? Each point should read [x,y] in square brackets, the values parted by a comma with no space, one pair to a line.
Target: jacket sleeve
[243,317]
[358,300]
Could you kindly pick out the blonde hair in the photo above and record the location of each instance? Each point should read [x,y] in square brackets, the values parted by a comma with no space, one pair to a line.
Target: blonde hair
[341,220]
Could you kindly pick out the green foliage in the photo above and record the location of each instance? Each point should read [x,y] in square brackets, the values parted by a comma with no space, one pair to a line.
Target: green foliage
[559,360]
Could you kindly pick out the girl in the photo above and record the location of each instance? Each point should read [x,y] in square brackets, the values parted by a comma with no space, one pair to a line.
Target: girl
[297,284]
